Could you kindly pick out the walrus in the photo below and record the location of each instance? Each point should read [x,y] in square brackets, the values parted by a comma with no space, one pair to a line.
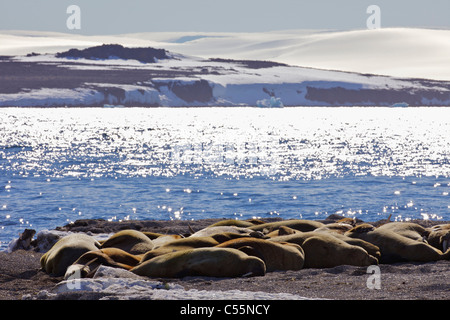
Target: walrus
[337,227]
[439,227]
[88,263]
[232,222]
[439,237]
[164,239]
[395,247]
[212,230]
[371,249]
[210,262]
[407,229]
[131,241]
[180,245]
[155,235]
[299,238]
[276,256]
[66,251]
[336,230]
[328,250]
[281,231]
[346,220]
[325,251]
[297,224]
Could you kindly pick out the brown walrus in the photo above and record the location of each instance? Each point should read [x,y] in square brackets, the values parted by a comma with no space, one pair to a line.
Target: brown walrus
[407,229]
[328,250]
[66,251]
[192,243]
[297,224]
[88,263]
[131,241]
[236,223]
[281,231]
[180,245]
[323,251]
[210,262]
[439,237]
[337,227]
[213,230]
[395,247]
[164,239]
[276,256]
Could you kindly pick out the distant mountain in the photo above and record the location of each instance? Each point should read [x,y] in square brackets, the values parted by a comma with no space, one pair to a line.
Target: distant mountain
[113,75]
[116,51]
[396,52]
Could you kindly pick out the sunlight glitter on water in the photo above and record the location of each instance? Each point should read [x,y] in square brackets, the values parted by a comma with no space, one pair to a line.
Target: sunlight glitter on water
[305,143]
[170,163]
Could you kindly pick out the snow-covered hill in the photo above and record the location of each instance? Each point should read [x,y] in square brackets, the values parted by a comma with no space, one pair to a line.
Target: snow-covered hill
[111,75]
[396,52]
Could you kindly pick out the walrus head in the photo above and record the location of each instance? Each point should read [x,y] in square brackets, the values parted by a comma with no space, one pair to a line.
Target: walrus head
[350,221]
[439,238]
[362,228]
[256,267]
[445,242]
[76,271]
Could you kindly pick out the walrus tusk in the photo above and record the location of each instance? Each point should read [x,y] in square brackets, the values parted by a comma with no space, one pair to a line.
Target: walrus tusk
[445,245]
[190,229]
[89,262]
[91,273]
[386,221]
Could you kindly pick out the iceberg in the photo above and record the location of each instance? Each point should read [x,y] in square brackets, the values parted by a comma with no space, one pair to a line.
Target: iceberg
[400,105]
[113,106]
[270,103]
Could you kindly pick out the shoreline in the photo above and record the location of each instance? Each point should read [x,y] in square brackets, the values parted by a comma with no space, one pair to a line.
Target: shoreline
[220,106]
[21,278]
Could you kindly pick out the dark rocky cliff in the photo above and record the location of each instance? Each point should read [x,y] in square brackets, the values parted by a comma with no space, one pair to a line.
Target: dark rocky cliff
[115,51]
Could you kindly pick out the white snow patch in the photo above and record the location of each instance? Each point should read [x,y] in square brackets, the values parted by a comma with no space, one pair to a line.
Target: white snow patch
[398,52]
[50,97]
[120,284]
[235,85]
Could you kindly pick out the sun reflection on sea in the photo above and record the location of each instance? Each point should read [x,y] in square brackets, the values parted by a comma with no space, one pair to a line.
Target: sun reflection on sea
[189,163]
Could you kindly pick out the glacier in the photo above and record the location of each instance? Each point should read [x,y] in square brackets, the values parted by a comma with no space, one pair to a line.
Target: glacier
[176,80]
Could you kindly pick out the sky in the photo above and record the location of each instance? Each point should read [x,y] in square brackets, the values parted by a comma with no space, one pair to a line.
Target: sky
[99,17]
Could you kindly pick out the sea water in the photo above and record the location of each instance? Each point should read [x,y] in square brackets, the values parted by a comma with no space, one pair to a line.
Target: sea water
[62,164]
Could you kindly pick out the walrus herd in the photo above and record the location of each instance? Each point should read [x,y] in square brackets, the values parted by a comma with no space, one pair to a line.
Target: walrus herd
[233,248]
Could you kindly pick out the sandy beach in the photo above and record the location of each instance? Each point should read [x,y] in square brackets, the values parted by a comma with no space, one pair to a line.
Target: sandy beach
[21,277]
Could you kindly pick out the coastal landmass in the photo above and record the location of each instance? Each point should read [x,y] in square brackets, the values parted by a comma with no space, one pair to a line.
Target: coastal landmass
[112,75]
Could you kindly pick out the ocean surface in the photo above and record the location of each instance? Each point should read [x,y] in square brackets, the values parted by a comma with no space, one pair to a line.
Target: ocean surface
[60,165]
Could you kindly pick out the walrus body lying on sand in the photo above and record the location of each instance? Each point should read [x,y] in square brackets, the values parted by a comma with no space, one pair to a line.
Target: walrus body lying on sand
[276,256]
[66,251]
[89,262]
[131,241]
[399,245]
[324,250]
[228,248]
[212,262]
